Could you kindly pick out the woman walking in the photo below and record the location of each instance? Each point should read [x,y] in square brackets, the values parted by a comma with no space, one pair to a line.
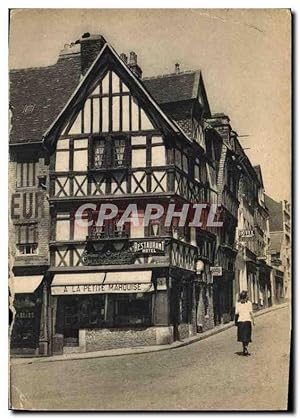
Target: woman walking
[243,318]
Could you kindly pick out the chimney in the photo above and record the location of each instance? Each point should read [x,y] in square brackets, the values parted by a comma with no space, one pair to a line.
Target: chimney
[124,57]
[133,65]
[90,45]
[177,68]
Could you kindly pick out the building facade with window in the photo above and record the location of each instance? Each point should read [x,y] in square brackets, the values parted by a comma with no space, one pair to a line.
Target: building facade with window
[87,132]
[34,103]
[280,248]
[253,269]
[228,175]
[114,143]
[28,250]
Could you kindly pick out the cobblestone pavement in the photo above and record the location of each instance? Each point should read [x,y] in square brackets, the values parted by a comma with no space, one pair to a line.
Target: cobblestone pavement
[207,375]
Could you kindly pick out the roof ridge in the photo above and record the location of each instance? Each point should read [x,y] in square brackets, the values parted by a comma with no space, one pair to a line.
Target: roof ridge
[181,73]
[46,67]
[15,70]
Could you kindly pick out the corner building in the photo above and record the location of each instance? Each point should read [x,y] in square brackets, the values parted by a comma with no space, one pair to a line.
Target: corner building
[113,143]
[103,134]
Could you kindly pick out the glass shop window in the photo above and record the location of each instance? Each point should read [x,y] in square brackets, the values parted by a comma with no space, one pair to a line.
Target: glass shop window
[132,309]
[27,239]
[91,311]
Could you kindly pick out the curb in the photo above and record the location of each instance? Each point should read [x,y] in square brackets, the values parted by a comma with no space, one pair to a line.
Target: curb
[136,351]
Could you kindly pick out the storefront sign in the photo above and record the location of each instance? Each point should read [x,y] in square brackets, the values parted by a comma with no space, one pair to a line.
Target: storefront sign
[246,234]
[216,270]
[161,284]
[101,288]
[150,246]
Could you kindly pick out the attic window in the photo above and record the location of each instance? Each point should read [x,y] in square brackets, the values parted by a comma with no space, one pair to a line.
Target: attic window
[28,109]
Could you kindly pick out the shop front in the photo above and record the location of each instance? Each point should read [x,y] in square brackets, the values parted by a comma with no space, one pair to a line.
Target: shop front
[264,272]
[105,310]
[204,299]
[278,285]
[27,295]
[223,297]
[254,292]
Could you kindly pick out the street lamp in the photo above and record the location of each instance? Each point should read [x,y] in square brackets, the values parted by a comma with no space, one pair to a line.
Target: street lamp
[199,267]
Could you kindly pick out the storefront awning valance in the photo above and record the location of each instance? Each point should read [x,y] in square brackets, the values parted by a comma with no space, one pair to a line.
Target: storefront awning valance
[102,283]
[129,282]
[77,283]
[128,277]
[25,284]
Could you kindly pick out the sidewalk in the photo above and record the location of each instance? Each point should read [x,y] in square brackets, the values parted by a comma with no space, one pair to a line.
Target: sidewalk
[140,350]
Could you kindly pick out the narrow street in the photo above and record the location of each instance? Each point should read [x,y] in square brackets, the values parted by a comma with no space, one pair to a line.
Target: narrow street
[207,375]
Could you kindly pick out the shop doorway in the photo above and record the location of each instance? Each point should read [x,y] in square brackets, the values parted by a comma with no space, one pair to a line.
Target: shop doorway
[79,312]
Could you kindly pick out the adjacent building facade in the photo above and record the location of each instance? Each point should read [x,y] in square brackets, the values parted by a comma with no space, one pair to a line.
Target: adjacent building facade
[89,131]
[280,247]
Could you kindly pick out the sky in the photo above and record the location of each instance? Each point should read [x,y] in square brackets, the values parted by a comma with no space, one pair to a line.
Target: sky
[244,56]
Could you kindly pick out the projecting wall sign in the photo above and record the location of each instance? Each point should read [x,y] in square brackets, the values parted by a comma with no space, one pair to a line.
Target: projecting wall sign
[216,270]
[149,246]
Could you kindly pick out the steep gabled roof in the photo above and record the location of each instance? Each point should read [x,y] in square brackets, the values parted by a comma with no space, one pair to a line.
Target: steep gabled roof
[37,95]
[177,87]
[107,57]
[172,87]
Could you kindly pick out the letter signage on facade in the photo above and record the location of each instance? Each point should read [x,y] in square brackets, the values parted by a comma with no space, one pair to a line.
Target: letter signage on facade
[246,234]
[149,246]
[101,288]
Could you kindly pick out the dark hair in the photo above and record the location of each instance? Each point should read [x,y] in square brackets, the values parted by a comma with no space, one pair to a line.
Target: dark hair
[243,295]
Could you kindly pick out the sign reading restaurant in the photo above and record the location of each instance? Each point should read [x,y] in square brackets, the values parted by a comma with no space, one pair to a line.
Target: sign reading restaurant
[101,288]
[149,246]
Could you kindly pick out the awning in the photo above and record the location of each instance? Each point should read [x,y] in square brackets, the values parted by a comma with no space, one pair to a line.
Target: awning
[102,283]
[139,277]
[77,283]
[25,284]
[128,282]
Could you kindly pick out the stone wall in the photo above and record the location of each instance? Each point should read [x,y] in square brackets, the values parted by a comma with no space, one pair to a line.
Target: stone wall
[104,339]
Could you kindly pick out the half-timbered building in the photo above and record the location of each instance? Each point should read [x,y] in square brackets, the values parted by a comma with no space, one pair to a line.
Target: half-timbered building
[228,175]
[114,143]
[103,135]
